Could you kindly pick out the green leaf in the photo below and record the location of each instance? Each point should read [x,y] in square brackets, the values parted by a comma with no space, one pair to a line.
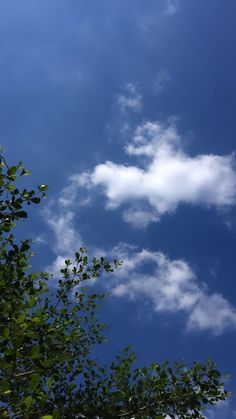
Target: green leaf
[10,187]
[35,380]
[35,200]
[5,387]
[7,392]
[28,401]
[20,165]
[51,382]
[43,188]
[35,352]
[21,214]
[12,171]
[25,172]
[6,332]
[47,363]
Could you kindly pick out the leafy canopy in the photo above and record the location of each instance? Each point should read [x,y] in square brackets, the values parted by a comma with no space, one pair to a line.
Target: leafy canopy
[47,336]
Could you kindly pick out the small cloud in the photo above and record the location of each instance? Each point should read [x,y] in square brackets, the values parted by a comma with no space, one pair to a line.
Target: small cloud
[66,236]
[60,217]
[162,79]
[171,7]
[40,239]
[130,100]
[67,239]
[139,219]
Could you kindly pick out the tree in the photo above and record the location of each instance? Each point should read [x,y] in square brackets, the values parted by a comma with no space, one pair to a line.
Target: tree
[46,365]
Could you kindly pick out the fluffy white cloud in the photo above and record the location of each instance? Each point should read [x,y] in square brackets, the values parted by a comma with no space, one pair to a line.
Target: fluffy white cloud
[164,177]
[212,312]
[170,286]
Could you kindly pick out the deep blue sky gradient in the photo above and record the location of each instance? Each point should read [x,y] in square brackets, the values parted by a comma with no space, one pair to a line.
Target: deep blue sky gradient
[62,66]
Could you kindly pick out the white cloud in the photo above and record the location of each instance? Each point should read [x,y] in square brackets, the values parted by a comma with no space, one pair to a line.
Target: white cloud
[167,286]
[67,239]
[57,264]
[164,178]
[40,239]
[130,100]
[223,410]
[68,197]
[170,286]
[212,312]
[139,218]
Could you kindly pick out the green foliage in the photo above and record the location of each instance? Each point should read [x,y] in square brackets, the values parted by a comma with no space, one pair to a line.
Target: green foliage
[46,336]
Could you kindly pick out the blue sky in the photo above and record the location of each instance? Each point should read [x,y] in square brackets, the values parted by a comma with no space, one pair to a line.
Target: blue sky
[127,110]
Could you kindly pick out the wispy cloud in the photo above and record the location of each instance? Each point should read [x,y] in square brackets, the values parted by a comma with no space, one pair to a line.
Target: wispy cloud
[161,80]
[171,7]
[222,410]
[170,286]
[130,99]
[165,177]
[41,239]
[66,238]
